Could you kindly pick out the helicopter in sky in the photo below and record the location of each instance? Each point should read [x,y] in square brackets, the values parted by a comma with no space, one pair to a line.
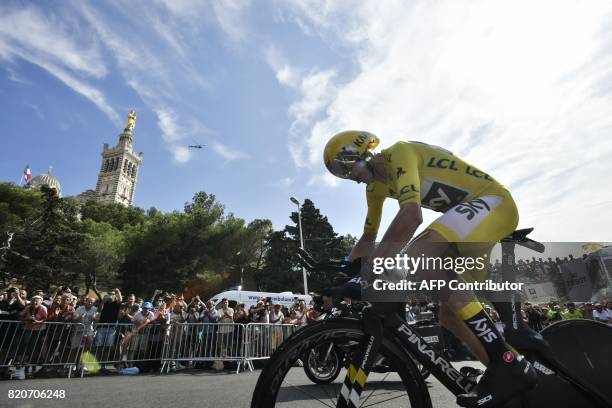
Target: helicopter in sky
[198,146]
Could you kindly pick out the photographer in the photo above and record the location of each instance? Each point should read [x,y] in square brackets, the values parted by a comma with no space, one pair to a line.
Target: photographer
[12,305]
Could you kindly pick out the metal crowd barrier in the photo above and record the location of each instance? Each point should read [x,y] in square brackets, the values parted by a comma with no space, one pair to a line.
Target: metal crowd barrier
[123,344]
[61,345]
[198,342]
[50,346]
[262,339]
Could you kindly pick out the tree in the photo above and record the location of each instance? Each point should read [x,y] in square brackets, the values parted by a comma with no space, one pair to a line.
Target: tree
[114,214]
[280,271]
[320,240]
[48,246]
[19,208]
[102,253]
[198,251]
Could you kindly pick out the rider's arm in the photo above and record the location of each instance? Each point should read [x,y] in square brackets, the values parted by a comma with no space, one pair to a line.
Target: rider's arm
[375,199]
[400,231]
[363,248]
[409,217]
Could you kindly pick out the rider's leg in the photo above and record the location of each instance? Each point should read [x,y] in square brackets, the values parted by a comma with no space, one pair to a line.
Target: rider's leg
[461,312]
[457,326]
[474,227]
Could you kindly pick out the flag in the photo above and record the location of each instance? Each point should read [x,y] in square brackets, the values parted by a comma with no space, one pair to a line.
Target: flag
[27,174]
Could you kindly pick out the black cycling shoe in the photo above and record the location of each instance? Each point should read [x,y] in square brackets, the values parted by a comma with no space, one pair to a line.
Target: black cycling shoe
[501,382]
[471,373]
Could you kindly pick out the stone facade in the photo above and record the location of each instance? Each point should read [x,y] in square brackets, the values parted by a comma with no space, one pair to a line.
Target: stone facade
[119,171]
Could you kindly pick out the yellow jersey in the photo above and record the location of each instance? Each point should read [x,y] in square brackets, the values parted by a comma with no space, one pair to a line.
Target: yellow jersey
[427,175]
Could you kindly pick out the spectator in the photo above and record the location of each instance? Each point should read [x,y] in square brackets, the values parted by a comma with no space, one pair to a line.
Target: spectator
[224,332]
[602,315]
[179,314]
[276,319]
[535,317]
[85,314]
[554,314]
[571,312]
[12,305]
[587,310]
[143,316]
[256,312]
[132,306]
[301,313]
[107,320]
[141,319]
[192,315]
[180,300]
[35,316]
[240,315]
[209,313]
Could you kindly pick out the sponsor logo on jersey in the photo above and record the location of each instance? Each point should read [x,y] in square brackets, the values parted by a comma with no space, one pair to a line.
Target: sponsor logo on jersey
[399,172]
[442,197]
[409,188]
[438,163]
[472,171]
[471,208]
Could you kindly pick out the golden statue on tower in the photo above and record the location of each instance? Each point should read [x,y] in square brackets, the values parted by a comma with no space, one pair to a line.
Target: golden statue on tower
[131,121]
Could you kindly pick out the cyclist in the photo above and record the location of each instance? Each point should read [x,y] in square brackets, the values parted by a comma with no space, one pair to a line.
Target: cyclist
[477,209]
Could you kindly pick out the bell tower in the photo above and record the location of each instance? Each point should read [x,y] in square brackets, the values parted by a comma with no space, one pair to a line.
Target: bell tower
[119,170]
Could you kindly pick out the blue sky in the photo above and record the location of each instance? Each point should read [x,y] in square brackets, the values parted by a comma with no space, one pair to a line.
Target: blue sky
[522,90]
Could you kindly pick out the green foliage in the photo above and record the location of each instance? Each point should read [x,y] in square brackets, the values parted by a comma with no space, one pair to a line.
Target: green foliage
[17,206]
[115,214]
[281,270]
[201,250]
[45,250]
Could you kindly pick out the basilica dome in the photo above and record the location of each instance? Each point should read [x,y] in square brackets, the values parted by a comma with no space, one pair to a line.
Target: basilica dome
[46,179]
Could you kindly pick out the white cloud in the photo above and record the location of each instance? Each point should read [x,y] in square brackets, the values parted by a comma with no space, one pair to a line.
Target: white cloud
[49,39]
[230,15]
[16,77]
[525,96]
[44,41]
[178,133]
[227,152]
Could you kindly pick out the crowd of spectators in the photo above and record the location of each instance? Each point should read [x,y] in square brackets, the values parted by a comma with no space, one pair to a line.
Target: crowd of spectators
[106,320]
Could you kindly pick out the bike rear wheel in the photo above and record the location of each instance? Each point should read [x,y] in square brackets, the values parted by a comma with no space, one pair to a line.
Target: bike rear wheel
[280,385]
[582,347]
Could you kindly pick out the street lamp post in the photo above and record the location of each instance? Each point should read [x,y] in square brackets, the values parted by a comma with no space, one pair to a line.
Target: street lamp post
[296,202]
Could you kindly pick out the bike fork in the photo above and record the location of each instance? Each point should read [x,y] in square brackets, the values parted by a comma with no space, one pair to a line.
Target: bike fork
[362,361]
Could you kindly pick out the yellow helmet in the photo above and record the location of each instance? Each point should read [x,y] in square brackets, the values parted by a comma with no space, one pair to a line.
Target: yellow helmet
[345,148]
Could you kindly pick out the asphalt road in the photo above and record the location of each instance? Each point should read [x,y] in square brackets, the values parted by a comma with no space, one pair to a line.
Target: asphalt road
[203,389]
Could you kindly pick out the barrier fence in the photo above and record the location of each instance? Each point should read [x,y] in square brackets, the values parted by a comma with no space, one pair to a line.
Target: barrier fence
[58,347]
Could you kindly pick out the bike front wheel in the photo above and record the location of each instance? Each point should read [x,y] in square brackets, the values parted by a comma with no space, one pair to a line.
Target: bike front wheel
[282,385]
